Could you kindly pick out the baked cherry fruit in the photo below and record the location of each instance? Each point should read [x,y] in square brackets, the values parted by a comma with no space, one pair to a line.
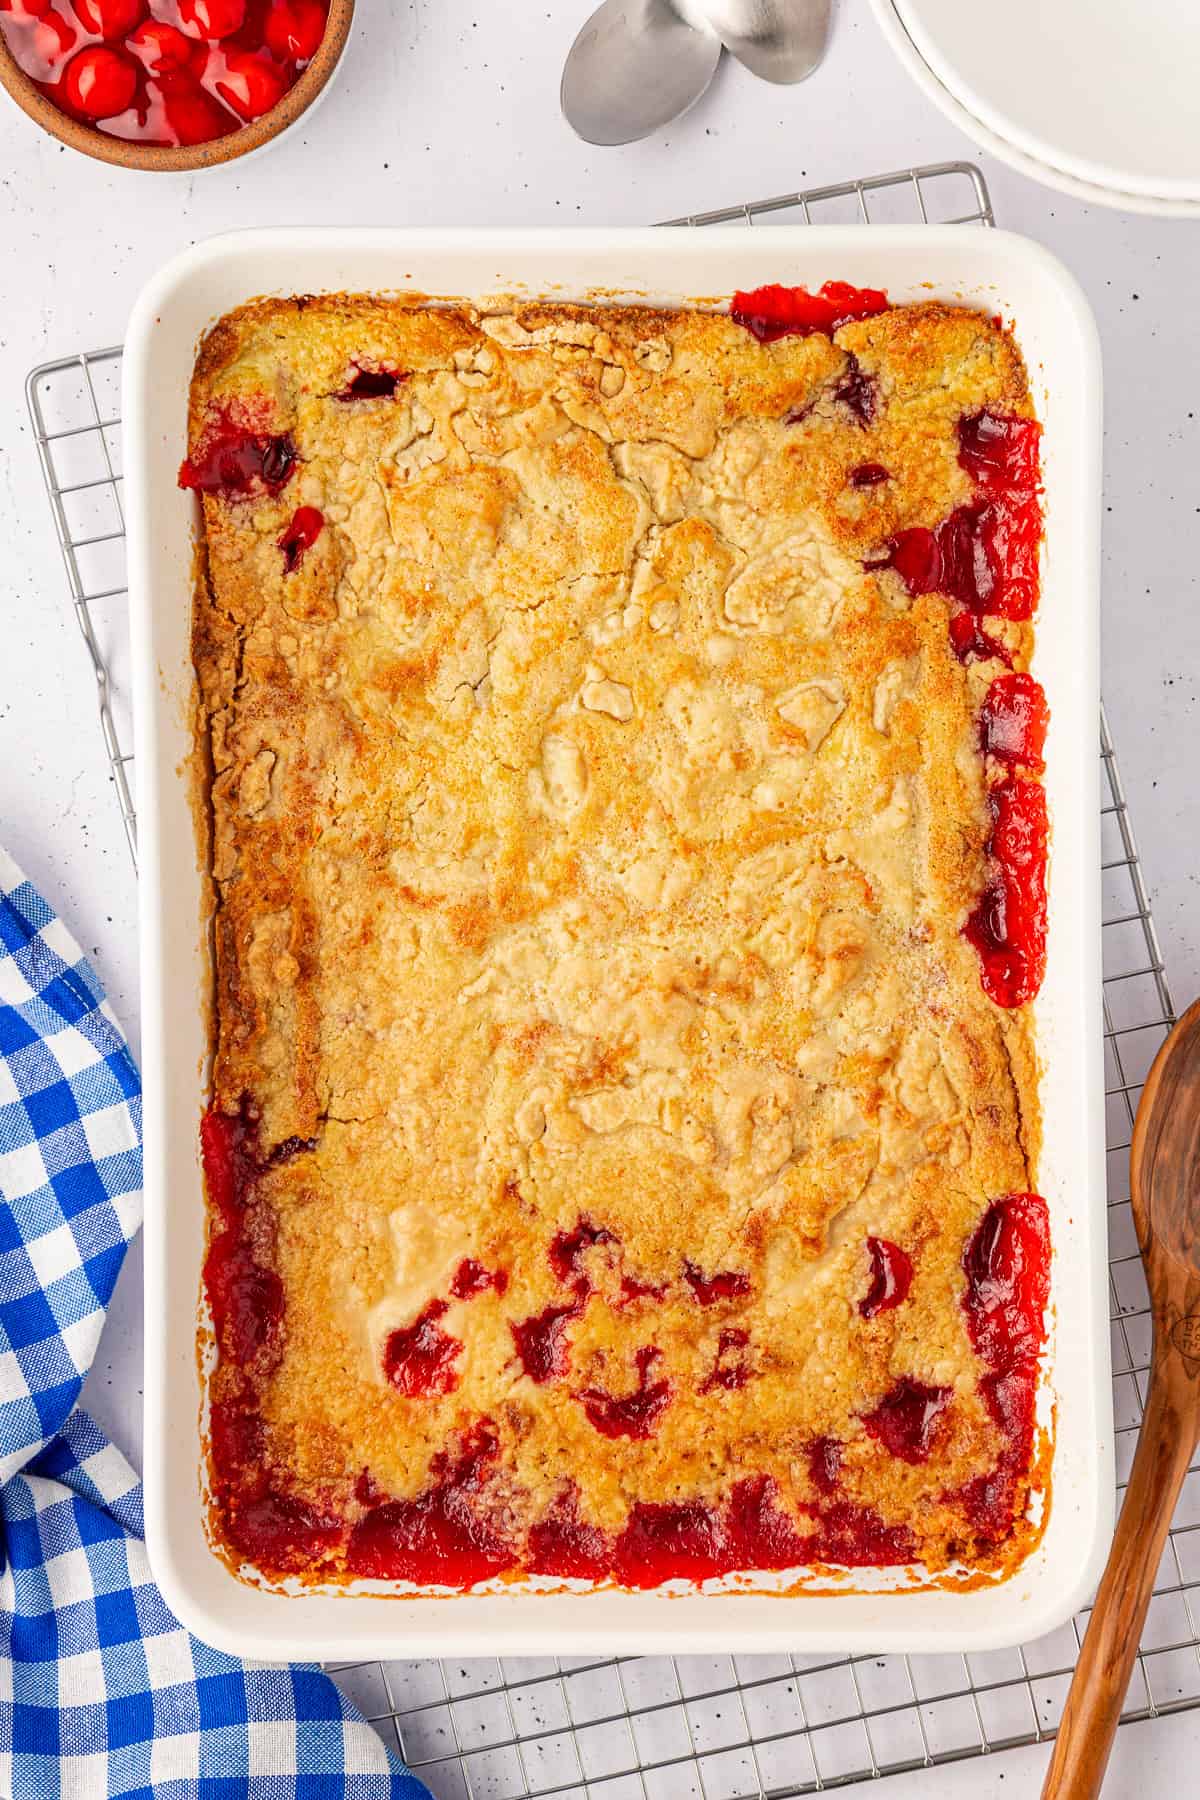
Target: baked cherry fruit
[998,451]
[159,46]
[890,1278]
[294,29]
[1008,924]
[100,82]
[249,85]
[868,474]
[1013,721]
[307,523]
[212,18]
[971,643]
[234,463]
[858,393]
[905,1420]
[111,19]
[420,1358]
[192,115]
[25,9]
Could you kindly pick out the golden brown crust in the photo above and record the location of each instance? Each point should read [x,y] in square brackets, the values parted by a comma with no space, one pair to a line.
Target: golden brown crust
[592,837]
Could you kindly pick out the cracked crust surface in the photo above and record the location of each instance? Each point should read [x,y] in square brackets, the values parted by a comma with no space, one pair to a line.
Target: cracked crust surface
[591,837]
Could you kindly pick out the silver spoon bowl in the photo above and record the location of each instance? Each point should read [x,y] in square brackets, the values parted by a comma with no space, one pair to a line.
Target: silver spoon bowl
[779,40]
[634,67]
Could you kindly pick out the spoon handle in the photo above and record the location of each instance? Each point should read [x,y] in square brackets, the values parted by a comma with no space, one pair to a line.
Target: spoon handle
[1093,1709]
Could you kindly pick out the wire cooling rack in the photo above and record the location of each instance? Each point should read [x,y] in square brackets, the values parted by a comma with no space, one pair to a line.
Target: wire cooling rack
[719,1727]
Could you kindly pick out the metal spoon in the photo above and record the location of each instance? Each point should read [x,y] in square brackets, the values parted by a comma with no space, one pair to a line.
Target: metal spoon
[780,40]
[634,67]
[1164,1172]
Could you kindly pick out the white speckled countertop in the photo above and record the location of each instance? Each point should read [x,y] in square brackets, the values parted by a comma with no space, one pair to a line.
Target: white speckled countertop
[445,113]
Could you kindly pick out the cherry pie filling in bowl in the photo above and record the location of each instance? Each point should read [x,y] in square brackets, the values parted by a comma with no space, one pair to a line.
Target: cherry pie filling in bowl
[164,72]
[629,860]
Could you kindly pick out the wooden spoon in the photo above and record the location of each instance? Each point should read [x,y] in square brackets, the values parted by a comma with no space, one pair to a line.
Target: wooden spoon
[1165,1191]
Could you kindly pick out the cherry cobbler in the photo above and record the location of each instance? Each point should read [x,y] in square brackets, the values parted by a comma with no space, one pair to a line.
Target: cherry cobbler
[622,788]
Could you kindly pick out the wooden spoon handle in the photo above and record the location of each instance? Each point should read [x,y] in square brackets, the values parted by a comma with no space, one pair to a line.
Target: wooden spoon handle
[1093,1709]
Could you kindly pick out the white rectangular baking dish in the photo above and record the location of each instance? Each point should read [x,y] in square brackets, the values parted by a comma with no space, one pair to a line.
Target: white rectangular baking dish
[1007,275]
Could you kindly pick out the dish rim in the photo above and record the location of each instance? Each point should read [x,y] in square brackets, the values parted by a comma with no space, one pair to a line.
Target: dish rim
[187,294]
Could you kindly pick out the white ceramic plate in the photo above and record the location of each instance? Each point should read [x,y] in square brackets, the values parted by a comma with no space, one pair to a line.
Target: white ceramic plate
[862,1611]
[1102,89]
[957,103]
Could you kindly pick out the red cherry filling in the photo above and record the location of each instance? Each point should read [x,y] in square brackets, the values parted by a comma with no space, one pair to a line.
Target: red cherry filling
[699,1541]
[868,474]
[294,29]
[568,1248]
[53,36]
[825,1464]
[891,1277]
[1000,452]
[246,1299]
[471,1278]
[249,85]
[632,1289]
[681,1541]
[300,535]
[419,1358]
[99,82]
[761,1535]
[277,1531]
[984,554]
[541,1340]
[971,643]
[730,1369]
[905,1418]
[189,72]
[367,1490]
[1013,721]
[1008,925]
[773,312]
[227,1154]
[236,1436]
[372,384]
[1007,1266]
[727,1284]
[562,1544]
[441,1537]
[192,115]
[857,392]
[234,464]
[632,1415]
[855,1537]
[212,18]
[990,1501]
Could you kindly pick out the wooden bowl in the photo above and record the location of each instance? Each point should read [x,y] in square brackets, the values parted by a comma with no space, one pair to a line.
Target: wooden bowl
[128,155]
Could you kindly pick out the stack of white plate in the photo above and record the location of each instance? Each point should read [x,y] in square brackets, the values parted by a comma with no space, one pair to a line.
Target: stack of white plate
[1100,98]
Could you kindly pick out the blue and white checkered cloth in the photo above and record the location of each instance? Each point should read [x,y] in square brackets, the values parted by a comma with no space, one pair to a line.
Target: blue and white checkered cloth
[102,1692]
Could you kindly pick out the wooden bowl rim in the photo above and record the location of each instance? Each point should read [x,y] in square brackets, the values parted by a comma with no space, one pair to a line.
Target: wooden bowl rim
[124,153]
